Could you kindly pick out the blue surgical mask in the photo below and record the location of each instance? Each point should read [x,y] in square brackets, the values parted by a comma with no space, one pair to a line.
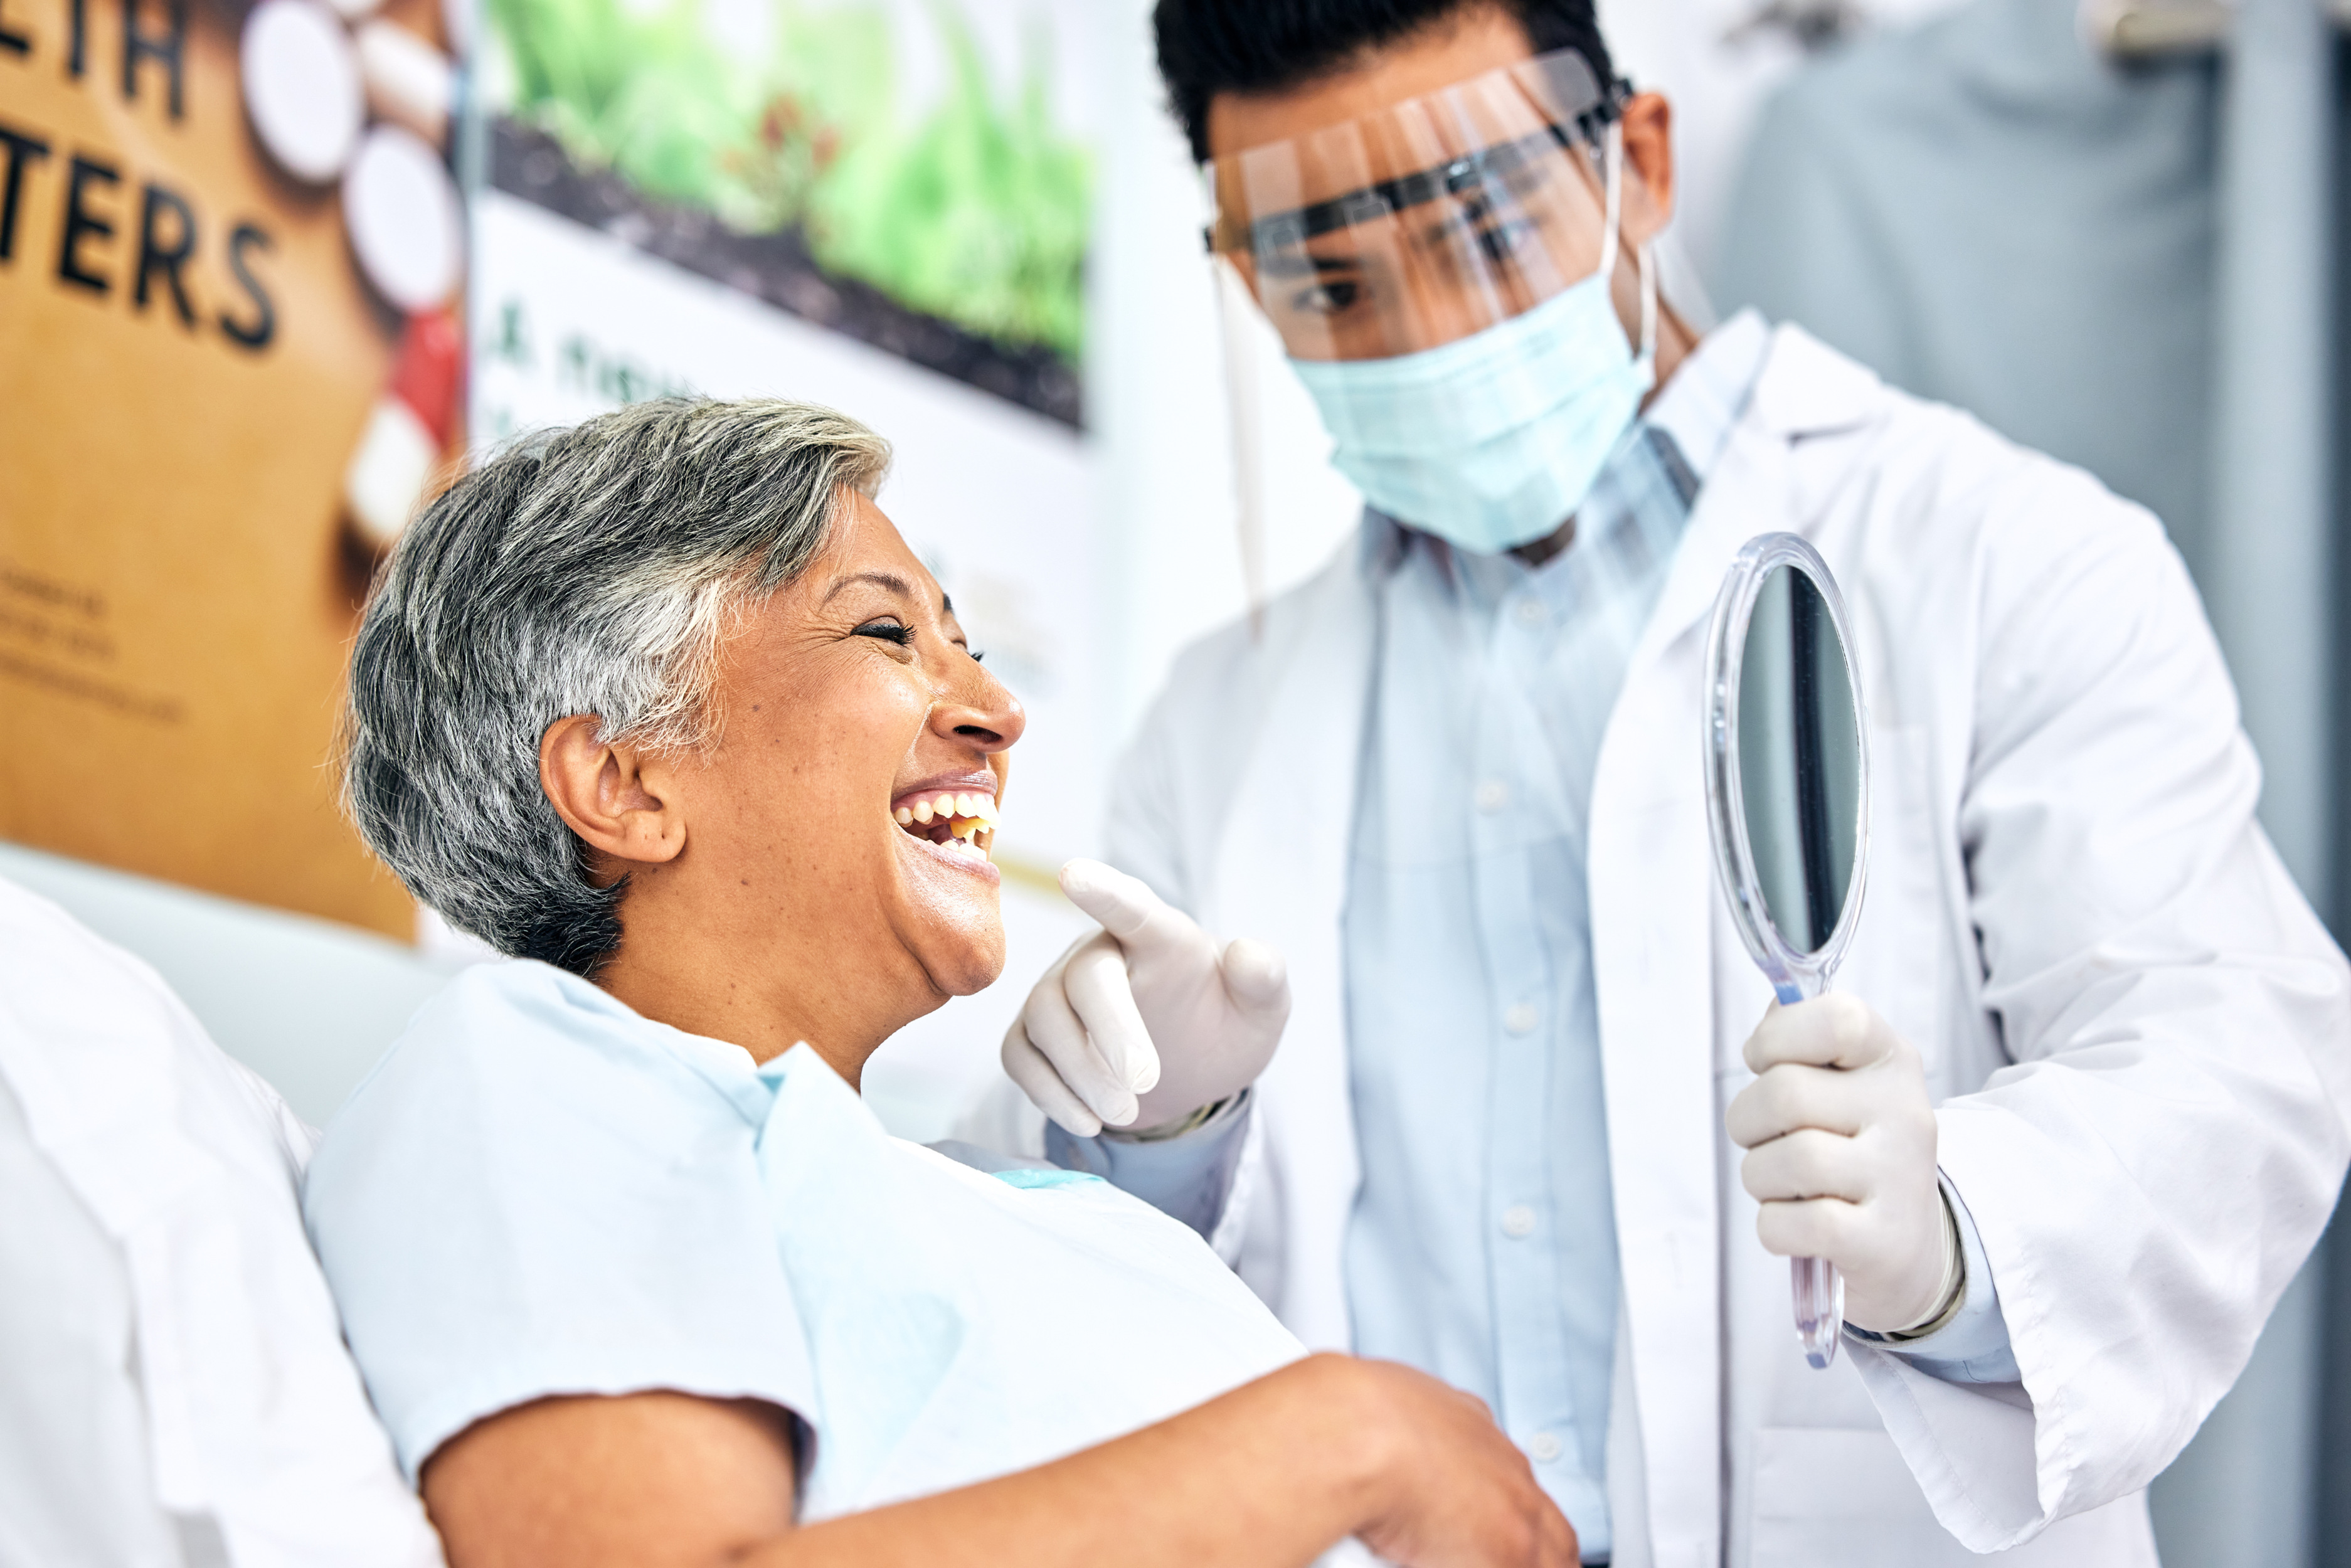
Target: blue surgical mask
[1493,441]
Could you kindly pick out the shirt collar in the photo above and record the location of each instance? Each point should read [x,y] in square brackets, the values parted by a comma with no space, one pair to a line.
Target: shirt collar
[1709,391]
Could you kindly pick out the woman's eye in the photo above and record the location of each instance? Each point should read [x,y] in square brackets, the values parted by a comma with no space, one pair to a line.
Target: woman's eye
[889,631]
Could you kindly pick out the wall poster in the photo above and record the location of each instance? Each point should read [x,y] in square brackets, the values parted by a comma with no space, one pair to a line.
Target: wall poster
[231,252]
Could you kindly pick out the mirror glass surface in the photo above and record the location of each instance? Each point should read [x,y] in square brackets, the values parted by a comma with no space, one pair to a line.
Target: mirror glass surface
[1798,760]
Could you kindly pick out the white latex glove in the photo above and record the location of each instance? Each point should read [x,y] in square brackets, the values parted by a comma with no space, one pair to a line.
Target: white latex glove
[1844,1161]
[1147,1020]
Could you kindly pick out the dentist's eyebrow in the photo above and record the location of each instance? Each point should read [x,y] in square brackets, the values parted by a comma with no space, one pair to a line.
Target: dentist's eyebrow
[1298,264]
[891,580]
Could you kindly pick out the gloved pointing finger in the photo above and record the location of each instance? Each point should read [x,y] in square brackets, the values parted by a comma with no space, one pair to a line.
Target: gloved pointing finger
[1123,905]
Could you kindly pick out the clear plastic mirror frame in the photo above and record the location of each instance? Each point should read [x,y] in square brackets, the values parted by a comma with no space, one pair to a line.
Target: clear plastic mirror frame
[1794,973]
[1815,1283]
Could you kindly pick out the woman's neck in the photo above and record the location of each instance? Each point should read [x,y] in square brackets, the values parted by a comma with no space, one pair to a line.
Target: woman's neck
[767,1003]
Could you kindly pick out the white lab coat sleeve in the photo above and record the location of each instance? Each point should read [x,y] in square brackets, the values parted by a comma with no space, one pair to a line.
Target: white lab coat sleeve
[2150,1173]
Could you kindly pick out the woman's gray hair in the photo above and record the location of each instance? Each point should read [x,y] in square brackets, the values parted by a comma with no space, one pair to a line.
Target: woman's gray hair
[588,570]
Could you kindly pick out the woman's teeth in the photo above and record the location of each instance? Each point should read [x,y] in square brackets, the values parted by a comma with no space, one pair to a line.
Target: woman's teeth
[965,825]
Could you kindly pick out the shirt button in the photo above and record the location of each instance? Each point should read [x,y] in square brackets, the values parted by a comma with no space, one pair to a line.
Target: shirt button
[1543,1446]
[1521,1019]
[1532,613]
[1518,1221]
[1492,796]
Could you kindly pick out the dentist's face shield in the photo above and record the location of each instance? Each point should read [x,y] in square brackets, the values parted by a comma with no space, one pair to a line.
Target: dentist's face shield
[1429,221]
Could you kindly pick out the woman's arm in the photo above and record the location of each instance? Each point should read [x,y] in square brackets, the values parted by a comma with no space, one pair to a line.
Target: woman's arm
[1272,1473]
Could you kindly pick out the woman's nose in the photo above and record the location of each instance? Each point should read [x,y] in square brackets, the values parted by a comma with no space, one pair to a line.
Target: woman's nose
[978,711]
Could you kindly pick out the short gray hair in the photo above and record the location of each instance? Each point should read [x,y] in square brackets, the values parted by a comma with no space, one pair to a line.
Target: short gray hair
[588,570]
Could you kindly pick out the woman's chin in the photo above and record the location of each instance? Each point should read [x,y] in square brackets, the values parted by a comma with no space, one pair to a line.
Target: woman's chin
[962,960]
[956,921]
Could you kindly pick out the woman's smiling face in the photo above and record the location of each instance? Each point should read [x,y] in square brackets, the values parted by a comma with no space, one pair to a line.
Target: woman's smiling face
[811,871]
[852,697]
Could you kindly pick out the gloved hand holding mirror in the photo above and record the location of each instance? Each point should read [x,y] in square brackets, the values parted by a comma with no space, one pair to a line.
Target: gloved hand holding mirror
[1839,1110]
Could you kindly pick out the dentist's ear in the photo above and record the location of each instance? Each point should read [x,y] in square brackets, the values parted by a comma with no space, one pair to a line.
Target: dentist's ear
[1648,132]
[620,801]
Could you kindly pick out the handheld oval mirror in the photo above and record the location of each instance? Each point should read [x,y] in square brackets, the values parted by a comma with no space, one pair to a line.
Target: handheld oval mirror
[1787,774]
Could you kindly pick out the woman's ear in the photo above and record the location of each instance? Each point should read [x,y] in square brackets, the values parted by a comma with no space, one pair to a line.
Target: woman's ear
[624,802]
[1649,127]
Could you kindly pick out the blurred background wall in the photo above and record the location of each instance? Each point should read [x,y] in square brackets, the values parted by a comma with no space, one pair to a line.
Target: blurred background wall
[2110,230]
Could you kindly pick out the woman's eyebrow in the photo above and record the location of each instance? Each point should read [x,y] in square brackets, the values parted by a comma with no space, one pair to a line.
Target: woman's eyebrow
[891,580]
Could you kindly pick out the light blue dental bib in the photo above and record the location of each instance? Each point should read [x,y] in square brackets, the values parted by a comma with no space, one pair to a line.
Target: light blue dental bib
[540,1193]
[962,1326]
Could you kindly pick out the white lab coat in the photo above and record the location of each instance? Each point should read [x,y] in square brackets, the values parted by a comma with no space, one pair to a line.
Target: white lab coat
[2138,1033]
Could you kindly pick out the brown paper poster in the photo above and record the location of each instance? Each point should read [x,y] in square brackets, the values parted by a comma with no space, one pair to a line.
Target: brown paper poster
[188,355]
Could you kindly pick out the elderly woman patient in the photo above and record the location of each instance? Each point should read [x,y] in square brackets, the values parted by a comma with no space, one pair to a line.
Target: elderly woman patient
[664,708]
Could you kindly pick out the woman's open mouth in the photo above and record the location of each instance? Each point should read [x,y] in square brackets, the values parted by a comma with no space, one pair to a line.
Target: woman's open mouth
[961,822]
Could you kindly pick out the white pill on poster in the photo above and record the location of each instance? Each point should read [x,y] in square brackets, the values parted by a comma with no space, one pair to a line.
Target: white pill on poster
[402,212]
[302,92]
[409,82]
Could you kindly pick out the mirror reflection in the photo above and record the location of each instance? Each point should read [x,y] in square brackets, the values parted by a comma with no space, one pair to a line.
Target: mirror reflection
[1798,760]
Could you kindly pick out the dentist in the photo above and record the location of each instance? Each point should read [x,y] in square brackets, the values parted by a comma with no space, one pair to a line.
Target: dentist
[2071,1123]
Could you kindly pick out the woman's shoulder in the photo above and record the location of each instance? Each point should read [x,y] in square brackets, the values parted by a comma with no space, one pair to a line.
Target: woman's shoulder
[533,1038]
[521,1073]
[539,1190]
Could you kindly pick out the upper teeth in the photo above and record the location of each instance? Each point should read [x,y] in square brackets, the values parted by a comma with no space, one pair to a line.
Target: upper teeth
[952,807]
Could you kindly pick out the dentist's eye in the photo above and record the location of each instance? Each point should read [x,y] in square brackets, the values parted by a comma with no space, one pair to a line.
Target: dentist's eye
[1500,242]
[888,631]
[1329,298]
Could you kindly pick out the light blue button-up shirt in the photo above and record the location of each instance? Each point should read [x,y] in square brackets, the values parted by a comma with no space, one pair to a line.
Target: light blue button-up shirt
[1483,1243]
[1482,1247]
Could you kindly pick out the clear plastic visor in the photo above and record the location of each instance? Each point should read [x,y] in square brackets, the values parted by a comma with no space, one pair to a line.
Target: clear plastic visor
[1429,221]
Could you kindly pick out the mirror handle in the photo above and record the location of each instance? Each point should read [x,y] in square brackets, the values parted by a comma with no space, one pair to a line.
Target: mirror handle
[1820,1307]
[1819,1286]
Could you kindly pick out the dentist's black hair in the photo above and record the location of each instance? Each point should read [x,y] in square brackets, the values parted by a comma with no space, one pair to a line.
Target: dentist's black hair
[1208,47]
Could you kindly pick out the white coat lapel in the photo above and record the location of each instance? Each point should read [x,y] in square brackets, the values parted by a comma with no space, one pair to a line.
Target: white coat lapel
[1279,875]
[1652,889]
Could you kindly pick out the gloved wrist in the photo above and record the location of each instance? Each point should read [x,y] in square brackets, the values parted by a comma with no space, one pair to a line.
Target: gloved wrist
[1214,1114]
[1954,1292]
